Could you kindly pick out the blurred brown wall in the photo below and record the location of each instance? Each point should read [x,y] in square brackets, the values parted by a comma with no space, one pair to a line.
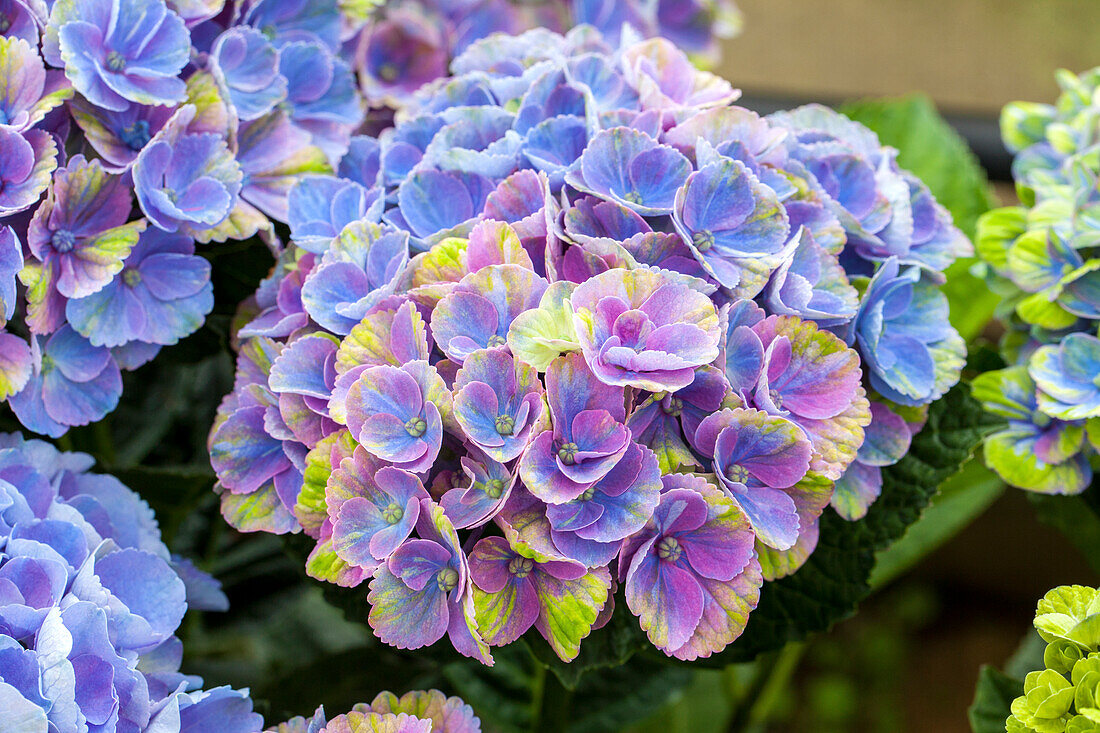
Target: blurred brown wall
[969,55]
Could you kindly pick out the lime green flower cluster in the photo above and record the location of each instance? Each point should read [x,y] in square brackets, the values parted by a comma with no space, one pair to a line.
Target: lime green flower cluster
[1064,697]
[1043,258]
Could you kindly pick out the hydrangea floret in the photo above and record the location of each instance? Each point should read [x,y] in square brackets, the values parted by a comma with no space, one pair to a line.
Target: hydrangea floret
[1064,697]
[1043,257]
[90,600]
[548,366]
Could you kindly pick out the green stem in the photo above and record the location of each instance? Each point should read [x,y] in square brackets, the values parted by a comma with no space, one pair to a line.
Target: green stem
[773,672]
[551,704]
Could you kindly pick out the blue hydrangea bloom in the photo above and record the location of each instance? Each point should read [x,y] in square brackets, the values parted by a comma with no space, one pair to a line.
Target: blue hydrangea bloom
[162,294]
[120,51]
[73,383]
[90,600]
[247,64]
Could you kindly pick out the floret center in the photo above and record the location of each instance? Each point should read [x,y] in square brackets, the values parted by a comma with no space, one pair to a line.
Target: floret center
[135,136]
[703,240]
[567,454]
[388,72]
[669,549]
[393,513]
[115,61]
[494,488]
[672,405]
[416,426]
[5,23]
[63,241]
[505,424]
[520,567]
[587,494]
[737,473]
[131,276]
[496,340]
[446,579]
[633,197]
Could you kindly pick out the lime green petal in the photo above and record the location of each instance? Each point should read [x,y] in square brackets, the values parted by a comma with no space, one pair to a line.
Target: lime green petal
[540,335]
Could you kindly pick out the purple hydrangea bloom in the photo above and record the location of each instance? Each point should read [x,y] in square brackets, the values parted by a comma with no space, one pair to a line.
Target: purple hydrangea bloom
[640,328]
[513,592]
[73,383]
[296,20]
[28,91]
[79,235]
[475,503]
[11,262]
[162,294]
[186,181]
[22,19]
[1068,377]
[692,575]
[321,96]
[397,413]
[119,52]
[422,592]
[727,216]
[320,208]
[400,53]
[360,269]
[632,169]
[372,513]
[757,458]
[247,65]
[588,436]
[26,162]
[591,527]
[498,402]
[479,311]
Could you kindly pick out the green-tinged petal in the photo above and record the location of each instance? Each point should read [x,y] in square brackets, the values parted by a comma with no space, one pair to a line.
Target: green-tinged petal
[540,335]
[324,564]
[311,509]
[1038,310]
[448,714]
[1032,262]
[1071,613]
[568,608]
[431,274]
[372,342]
[997,231]
[212,112]
[1092,432]
[1061,655]
[244,221]
[811,495]
[1006,392]
[1025,123]
[260,511]
[1010,454]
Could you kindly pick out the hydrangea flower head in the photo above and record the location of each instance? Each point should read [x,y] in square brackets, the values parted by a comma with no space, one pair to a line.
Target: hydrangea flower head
[90,604]
[569,272]
[1044,258]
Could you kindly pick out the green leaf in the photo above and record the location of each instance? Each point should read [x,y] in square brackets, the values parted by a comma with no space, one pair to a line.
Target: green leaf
[960,499]
[929,147]
[992,698]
